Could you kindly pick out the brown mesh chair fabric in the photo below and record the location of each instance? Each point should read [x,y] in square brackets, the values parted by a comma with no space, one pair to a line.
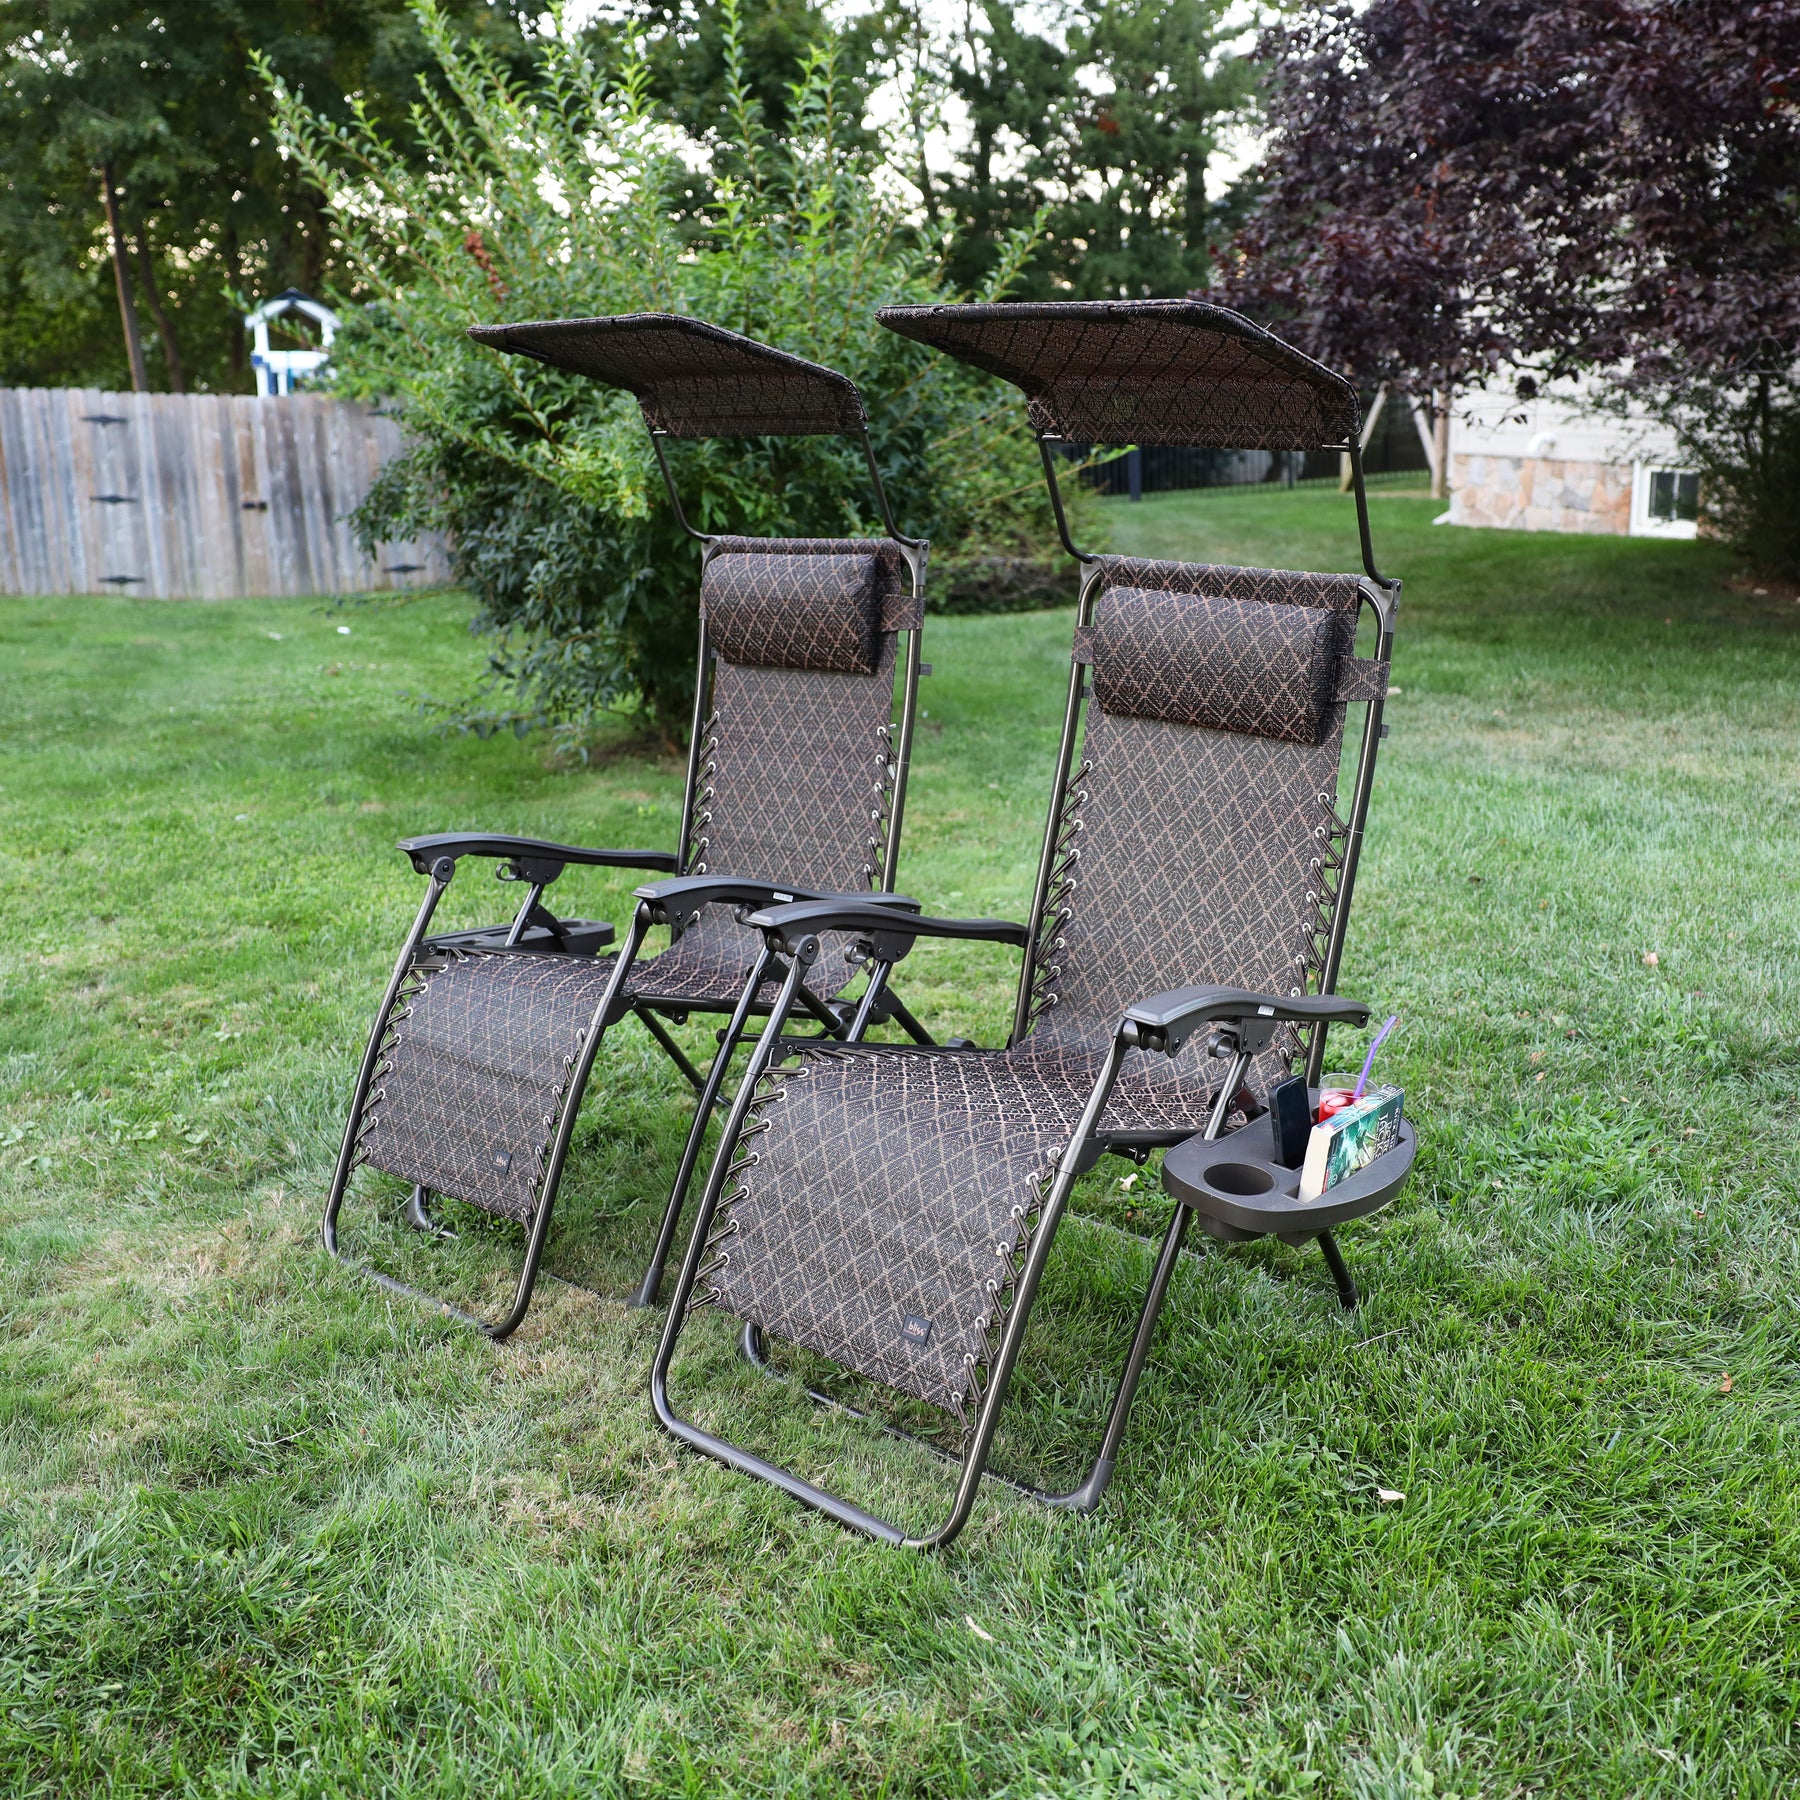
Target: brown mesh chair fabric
[1236,665]
[692,379]
[795,612]
[901,609]
[892,1190]
[794,783]
[1145,372]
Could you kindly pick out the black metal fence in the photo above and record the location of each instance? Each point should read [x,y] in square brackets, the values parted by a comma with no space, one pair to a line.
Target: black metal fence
[1394,454]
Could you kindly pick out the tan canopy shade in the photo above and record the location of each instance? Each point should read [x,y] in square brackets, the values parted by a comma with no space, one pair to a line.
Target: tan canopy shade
[692,379]
[1145,372]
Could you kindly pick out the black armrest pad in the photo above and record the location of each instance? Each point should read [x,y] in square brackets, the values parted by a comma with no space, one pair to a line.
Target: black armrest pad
[686,892]
[1173,1017]
[425,851]
[787,925]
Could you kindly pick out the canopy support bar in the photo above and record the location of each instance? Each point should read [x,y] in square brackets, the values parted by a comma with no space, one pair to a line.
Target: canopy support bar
[1056,501]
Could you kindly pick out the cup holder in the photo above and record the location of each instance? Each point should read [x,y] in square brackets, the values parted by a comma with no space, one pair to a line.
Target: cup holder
[1244,1181]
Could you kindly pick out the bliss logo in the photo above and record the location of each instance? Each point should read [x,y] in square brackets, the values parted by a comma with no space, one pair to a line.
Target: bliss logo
[914,1330]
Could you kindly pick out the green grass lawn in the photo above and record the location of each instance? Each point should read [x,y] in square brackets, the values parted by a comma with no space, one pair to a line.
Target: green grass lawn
[269,1531]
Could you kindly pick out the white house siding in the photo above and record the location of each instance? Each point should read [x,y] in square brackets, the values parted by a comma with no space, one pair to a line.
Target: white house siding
[1552,464]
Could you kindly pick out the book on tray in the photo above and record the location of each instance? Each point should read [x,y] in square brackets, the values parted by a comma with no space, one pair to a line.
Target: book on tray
[1350,1140]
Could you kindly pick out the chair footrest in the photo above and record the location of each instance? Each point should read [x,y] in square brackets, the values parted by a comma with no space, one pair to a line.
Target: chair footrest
[581,937]
[1237,1190]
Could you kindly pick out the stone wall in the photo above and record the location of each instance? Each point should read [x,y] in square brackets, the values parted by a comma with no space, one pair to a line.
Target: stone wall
[1540,493]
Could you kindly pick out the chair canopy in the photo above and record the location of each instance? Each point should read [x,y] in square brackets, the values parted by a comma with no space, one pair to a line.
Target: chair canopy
[692,379]
[1145,372]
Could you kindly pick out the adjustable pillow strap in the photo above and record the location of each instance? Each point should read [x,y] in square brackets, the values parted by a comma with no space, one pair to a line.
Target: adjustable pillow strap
[1361,678]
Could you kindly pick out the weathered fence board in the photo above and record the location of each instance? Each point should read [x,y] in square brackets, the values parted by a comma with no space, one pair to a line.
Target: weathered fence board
[193,496]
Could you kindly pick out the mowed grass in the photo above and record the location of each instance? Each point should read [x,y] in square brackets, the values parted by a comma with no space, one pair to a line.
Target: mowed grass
[270,1531]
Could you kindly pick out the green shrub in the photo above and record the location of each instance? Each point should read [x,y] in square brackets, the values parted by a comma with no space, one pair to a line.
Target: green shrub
[565,194]
[1747,447]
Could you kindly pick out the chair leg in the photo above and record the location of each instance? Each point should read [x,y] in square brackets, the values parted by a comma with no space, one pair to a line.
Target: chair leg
[651,1285]
[443,871]
[415,1215]
[603,1016]
[1086,1497]
[1334,1259]
[419,1218]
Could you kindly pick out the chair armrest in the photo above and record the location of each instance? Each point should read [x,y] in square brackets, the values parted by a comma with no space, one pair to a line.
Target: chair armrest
[687,892]
[1166,1021]
[891,929]
[537,860]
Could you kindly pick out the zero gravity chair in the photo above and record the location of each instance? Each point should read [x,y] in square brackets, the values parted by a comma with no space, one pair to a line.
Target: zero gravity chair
[796,781]
[892,1209]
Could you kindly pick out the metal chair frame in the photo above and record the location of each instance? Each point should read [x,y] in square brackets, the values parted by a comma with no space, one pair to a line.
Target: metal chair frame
[539,864]
[1240,1025]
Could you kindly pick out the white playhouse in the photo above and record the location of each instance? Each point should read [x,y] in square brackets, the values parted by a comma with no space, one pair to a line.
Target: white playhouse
[278,370]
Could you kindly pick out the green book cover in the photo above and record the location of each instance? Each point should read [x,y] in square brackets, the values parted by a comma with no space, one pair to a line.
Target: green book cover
[1350,1140]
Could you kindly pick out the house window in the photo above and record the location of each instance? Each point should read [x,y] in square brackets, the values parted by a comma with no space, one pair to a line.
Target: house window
[1674,494]
[1665,502]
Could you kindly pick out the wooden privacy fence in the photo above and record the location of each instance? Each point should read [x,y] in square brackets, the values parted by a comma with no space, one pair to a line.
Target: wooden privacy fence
[193,496]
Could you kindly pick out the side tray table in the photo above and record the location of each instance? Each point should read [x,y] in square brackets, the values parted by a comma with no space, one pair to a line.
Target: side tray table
[1237,1190]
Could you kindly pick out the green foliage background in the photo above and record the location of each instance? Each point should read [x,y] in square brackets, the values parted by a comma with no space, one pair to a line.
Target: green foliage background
[215,218]
[566,192]
[1744,438]
[1109,133]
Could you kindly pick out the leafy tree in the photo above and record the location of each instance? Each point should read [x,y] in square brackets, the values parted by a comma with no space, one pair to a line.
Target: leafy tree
[689,51]
[1565,185]
[1010,81]
[162,110]
[566,192]
[1111,133]
[1127,166]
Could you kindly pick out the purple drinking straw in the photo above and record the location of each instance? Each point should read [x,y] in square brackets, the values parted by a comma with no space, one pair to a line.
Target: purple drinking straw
[1362,1081]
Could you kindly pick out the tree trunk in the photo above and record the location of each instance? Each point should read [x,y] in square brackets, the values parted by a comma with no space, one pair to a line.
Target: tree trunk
[1432,422]
[134,340]
[1362,442]
[152,299]
[312,248]
[927,193]
[915,106]
[235,264]
[1440,431]
[984,132]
